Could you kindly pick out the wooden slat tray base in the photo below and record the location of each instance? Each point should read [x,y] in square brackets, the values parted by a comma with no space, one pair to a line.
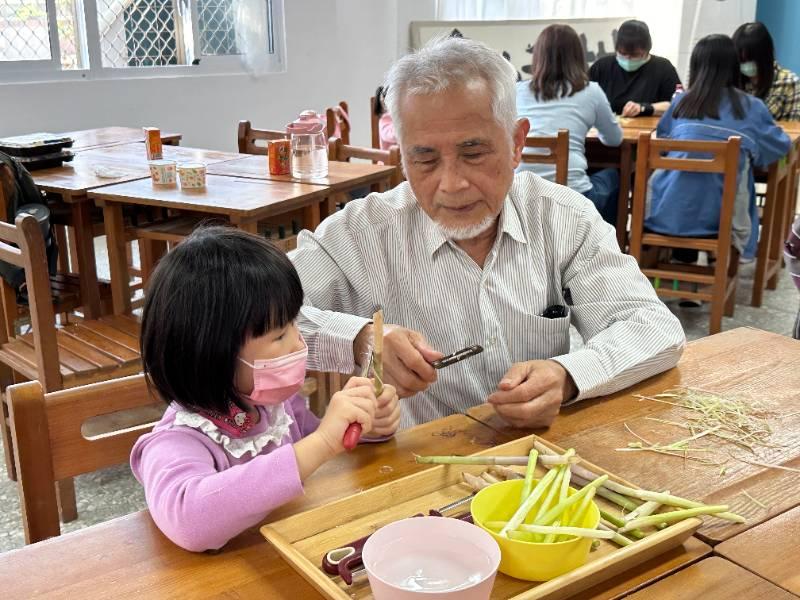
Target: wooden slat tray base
[304,538]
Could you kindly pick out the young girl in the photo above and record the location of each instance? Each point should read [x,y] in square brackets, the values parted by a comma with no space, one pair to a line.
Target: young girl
[220,345]
[689,204]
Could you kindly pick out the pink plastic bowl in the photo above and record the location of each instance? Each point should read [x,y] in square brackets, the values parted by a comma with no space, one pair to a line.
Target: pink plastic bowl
[432,558]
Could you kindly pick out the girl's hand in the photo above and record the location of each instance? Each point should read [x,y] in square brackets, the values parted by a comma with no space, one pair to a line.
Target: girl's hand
[356,403]
[387,414]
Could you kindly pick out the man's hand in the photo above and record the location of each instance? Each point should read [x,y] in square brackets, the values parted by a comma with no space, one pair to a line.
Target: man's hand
[531,393]
[406,358]
[631,109]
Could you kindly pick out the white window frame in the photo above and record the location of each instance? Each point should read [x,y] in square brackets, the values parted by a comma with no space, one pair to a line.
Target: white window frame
[34,71]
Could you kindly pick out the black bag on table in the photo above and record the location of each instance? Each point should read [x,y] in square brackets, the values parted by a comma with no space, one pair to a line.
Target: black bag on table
[22,196]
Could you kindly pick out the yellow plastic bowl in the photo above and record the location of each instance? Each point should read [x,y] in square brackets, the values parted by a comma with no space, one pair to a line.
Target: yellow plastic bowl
[528,560]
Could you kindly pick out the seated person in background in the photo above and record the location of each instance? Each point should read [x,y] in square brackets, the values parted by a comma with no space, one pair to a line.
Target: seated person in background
[636,82]
[762,76]
[688,204]
[220,345]
[386,133]
[793,258]
[468,252]
[559,95]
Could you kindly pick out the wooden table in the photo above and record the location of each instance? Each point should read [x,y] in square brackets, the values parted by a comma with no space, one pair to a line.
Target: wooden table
[130,556]
[71,183]
[343,177]
[110,136]
[242,202]
[771,550]
[744,362]
[712,579]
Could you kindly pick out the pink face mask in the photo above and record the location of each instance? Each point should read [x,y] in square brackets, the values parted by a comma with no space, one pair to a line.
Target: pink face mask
[278,379]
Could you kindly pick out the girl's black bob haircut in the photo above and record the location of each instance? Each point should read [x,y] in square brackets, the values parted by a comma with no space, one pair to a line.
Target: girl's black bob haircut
[206,298]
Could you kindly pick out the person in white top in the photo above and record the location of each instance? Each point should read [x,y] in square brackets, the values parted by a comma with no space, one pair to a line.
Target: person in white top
[466,252]
[559,95]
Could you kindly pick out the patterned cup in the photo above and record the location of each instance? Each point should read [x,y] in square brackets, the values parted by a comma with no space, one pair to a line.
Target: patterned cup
[163,172]
[193,175]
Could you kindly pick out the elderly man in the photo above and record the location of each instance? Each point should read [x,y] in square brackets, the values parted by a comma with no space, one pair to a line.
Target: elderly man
[468,253]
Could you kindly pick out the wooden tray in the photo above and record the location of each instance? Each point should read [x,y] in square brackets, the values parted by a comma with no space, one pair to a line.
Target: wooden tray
[304,538]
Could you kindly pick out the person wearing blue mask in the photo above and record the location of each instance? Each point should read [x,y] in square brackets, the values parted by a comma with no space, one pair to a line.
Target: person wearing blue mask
[762,76]
[636,82]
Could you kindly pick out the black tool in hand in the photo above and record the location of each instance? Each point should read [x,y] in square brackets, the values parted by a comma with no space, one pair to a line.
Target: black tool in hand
[456,357]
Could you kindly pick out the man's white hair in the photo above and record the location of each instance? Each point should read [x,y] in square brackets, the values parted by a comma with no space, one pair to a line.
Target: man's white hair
[447,63]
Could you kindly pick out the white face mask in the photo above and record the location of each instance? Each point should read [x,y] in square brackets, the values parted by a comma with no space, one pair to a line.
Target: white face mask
[749,68]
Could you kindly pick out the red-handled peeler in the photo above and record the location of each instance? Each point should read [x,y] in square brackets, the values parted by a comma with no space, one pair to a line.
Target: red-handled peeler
[353,432]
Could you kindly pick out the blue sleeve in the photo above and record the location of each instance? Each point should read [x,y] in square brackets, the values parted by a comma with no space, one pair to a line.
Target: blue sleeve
[604,118]
[664,127]
[772,143]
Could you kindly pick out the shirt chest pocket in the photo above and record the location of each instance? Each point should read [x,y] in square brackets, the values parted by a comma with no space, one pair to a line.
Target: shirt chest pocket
[535,337]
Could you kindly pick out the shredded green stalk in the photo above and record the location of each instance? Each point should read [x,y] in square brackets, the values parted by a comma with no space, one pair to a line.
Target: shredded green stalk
[530,501]
[529,472]
[672,517]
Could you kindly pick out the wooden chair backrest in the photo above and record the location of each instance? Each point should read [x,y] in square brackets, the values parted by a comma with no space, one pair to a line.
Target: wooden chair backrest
[50,446]
[341,152]
[651,155]
[558,155]
[374,124]
[22,245]
[338,115]
[248,138]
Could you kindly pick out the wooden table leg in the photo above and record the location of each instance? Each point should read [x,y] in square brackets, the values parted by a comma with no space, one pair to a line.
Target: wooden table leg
[327,207]
[150,252]
[117,258]
[248,226]
[84,245]
[767,225]
[779,228]
[625,172]
[311,216]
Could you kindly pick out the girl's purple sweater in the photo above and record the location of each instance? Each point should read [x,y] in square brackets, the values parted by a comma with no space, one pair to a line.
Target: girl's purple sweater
[199,494]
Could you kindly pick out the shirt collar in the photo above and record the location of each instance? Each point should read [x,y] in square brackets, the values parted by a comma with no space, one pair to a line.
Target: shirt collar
[509,224]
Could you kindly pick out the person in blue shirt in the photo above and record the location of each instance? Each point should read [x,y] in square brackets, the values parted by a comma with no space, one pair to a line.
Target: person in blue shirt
[559,95]
[687,203]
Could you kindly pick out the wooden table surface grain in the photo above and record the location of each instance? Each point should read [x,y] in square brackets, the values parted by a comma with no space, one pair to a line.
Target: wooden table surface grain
[235,197]
[744,362]
[712,579]
[341,175]
[109,136]
[770,550]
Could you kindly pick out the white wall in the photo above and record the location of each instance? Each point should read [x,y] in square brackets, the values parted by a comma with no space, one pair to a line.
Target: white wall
[704,17]
[336,50]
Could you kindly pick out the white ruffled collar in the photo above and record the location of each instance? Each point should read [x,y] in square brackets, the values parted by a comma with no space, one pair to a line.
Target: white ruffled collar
[278,423]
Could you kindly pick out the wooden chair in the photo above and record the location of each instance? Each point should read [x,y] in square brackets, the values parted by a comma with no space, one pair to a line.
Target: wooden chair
[65,286]
[59,357]
[374,124]
[718,281]
[48,431]
[248,138]
[558,155]
[341,152]
[338,115]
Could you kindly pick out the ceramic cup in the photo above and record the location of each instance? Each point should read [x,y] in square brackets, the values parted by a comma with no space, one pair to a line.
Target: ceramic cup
[163,172]
[193,175]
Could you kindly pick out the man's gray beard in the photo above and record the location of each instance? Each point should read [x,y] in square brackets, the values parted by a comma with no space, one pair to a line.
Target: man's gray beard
[458,234]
